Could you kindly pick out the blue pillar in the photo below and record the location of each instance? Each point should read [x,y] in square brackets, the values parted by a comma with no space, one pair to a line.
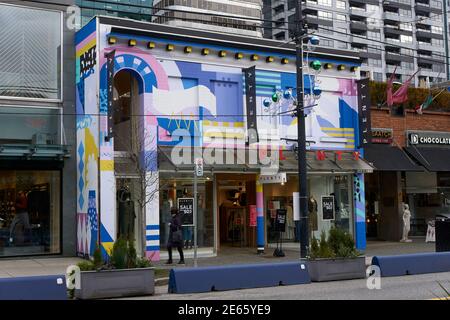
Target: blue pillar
[360,211]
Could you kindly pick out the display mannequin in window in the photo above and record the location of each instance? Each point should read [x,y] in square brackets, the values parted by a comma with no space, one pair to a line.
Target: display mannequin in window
[406,223]
[21,216]
[126,213]
[312,208]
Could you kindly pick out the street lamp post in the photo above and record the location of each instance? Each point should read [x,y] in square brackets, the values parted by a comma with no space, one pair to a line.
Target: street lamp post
[301,145]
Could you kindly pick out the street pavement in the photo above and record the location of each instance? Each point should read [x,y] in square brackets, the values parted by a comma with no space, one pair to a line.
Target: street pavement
[417,287]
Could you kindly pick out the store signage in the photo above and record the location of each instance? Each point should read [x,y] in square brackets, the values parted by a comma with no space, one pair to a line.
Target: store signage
[382,135]
[280,220]
[337,155]
[275,178]
[199,167]
[110,86]
[253,215]
[186,209]
[250,94]
[327,208]
[364,112]
[429,138]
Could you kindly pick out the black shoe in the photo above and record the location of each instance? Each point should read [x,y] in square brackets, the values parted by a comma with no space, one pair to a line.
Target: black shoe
[181,262]
[169,262]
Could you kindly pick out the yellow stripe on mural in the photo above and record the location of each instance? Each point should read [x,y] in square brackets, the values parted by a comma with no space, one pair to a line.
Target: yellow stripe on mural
[86,47]
[338,129]
[350,146]
[341,135]
[206,122]
[237,135]
[239,124]
[106,165]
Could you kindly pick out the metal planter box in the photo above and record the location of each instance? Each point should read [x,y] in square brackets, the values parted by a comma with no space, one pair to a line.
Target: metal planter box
[337,269]
[116,283]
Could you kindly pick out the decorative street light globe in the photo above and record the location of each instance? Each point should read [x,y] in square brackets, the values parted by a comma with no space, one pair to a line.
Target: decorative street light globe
[316,65]
[287,94]
[314,40]
[275,97]
[317,91]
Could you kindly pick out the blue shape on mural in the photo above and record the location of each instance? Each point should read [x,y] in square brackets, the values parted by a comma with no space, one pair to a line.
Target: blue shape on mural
[348,118]
[180,129]
[93,220]
[324,122]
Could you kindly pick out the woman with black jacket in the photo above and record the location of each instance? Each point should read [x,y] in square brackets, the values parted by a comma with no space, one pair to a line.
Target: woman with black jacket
[175,236]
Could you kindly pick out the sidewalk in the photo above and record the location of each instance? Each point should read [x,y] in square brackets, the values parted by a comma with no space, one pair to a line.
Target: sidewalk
[227,255]
[35,266]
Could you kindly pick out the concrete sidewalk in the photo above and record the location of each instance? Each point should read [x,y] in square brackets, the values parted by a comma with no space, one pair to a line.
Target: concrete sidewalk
[35,266]
[227,255]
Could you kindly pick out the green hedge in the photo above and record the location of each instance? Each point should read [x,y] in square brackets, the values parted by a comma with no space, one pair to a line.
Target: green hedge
[416,96]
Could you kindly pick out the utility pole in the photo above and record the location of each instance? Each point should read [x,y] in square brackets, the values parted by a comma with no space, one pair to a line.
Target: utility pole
[301,144]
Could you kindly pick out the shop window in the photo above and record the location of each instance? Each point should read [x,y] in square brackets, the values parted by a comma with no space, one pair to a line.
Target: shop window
[29,212]
[174,188]
[29,126]
[31,66]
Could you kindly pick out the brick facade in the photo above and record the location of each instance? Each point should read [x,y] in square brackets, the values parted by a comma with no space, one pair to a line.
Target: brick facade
[428,121]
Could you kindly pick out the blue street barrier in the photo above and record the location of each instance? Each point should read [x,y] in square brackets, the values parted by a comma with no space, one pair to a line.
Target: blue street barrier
[233,277]
[408,264]
[33,288]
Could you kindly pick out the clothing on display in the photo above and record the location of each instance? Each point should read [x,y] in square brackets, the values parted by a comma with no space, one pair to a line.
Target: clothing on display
[312,208]
[126,214]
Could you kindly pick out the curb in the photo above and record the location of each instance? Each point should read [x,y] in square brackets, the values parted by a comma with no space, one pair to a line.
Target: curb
[162,281]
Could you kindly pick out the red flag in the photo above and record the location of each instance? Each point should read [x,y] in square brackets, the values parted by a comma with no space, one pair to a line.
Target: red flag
[401,95]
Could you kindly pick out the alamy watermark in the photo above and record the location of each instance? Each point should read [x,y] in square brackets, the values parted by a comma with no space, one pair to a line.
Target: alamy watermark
[73,17]
[373,281]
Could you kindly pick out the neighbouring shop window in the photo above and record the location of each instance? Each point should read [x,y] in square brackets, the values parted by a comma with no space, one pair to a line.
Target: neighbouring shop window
[30,67]
[38,126]
[427,199]
[174,188]
[29,212]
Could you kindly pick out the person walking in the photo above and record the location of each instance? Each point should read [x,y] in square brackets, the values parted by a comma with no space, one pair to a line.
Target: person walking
[175,236]
[21,216]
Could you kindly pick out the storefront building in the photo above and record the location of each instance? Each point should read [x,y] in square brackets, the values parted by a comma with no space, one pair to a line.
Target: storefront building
[412,167]
[36,163]
[168,96]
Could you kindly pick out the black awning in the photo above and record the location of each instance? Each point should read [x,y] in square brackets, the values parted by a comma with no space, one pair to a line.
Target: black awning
[389,158]
[434,159]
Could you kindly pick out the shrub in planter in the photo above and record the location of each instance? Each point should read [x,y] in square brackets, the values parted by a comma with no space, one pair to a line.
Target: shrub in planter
[335,258]
[124,274]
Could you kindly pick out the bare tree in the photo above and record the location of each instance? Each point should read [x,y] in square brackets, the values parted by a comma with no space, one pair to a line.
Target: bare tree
[139,158]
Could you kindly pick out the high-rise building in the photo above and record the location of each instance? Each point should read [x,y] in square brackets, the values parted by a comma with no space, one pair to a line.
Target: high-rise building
[203,12]
[408,34]
[132,9]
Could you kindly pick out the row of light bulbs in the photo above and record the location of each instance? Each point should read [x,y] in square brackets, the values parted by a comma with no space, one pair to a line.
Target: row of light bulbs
[204,51]
[316,64]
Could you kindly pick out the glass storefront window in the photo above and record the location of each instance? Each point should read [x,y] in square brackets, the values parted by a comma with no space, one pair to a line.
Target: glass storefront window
[29,212]
[29,126]
[174,187]
[31,65]
[425,202]
[281,197]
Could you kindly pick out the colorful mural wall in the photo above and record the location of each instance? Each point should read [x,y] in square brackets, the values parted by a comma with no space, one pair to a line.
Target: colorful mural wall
[182,102]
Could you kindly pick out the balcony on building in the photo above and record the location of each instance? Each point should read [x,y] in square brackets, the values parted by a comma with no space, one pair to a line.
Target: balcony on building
[397,4]
[313,19]
[363,2]
[424,6]
[358,25]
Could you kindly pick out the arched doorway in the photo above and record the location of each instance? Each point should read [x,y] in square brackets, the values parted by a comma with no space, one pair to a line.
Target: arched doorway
[128,144]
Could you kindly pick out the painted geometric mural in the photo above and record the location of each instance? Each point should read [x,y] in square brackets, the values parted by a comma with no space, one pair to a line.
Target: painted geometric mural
[187,103]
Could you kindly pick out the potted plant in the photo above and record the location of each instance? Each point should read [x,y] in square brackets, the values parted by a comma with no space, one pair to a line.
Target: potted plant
[124,274]
[335,258]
